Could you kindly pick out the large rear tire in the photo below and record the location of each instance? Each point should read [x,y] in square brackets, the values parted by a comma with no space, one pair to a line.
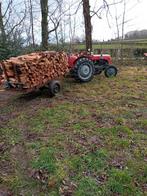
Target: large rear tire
[83,70]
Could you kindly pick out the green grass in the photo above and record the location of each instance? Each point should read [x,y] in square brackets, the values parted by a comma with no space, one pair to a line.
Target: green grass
[45,161]
[114,45]
[121,182]
[90,140]
[87,186]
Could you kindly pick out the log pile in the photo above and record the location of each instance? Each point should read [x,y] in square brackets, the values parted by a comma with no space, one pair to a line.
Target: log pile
[1,79]
[35,69]
[1,75]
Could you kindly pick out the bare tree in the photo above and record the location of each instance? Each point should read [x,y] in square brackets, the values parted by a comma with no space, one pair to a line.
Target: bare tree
[54,21]
[88,26]
[123,18]
[32,23]
[120,22]
[61,32]
[88,14]
[44,23]
[12,19]
[2,29]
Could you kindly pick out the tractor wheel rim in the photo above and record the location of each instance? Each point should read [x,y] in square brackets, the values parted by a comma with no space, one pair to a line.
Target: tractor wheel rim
[85,70]
[56,89]
[111,72]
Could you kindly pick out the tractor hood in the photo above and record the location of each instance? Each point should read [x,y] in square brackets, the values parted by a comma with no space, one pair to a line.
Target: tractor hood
[103,55]
[97,57]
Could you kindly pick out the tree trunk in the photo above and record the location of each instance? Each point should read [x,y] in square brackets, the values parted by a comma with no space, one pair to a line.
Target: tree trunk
[123,27]
[32,23]
[2,29]
[88,26]
[44,23]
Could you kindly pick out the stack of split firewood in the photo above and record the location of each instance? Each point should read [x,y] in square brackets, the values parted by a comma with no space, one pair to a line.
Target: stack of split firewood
[1,75]
[1,79]
[35,69]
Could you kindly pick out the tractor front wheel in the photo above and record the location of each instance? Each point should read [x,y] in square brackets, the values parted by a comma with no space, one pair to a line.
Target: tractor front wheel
[83,70]
[110,71]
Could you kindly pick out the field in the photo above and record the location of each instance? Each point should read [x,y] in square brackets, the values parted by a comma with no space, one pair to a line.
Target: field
[90,140]
[126,44]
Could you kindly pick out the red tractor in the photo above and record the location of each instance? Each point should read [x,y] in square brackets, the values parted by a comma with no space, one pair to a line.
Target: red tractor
[84,66]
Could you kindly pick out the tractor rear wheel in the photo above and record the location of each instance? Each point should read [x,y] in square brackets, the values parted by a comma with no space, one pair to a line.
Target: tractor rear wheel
[83,70]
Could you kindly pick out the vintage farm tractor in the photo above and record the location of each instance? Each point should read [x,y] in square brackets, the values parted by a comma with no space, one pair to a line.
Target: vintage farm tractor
[84,66]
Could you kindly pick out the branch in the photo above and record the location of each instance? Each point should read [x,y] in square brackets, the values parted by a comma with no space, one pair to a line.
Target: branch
[17,24]
[7,20]
[9,4]
[55,28]
[78,8]
[104,6]
[95,13]
[73,4]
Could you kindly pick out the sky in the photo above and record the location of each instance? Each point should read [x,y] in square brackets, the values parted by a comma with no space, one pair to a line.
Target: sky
[136,13]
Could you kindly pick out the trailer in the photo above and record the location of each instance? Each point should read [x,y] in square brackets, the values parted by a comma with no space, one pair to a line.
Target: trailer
[35,71]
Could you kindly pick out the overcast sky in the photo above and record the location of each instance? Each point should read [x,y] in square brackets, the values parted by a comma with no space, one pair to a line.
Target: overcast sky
[136,13]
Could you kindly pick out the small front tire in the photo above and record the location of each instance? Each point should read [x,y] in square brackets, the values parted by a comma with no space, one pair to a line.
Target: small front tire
[110,71]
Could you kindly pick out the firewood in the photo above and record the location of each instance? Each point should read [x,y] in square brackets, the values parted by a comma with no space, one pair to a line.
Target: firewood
[35,69]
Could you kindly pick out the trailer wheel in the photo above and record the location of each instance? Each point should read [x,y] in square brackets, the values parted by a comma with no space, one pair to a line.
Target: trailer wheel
[54,88]
[110,71]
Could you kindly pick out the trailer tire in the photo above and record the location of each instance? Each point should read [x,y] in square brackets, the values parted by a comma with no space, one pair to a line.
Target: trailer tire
[54,88]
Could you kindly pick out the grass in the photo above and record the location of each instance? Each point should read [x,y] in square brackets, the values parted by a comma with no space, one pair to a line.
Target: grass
[127,44]
[45,161]
[90,140]
[121,182]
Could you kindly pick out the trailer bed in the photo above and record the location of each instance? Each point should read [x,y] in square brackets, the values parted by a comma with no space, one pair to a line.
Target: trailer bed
[33,71]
